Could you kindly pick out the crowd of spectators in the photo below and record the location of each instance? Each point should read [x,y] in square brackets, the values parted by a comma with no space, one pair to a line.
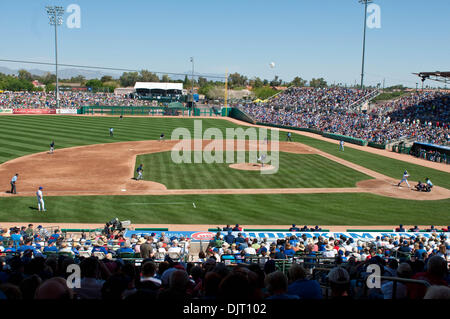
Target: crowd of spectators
[426,106]
[29,269]
[333,98]
[423,116]
[69,99]
[41,241]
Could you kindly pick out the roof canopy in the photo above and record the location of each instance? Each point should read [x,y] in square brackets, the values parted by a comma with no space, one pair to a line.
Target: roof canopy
[158,85]
[435,76]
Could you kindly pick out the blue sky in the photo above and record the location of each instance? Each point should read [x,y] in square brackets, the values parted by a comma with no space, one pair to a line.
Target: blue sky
[308,38]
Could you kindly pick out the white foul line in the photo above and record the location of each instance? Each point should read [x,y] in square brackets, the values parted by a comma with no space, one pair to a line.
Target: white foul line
[175,203]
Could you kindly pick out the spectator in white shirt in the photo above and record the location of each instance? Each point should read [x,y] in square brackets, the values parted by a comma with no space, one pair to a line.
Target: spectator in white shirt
[250,251]
[174,248]
[329,252]
[65,249]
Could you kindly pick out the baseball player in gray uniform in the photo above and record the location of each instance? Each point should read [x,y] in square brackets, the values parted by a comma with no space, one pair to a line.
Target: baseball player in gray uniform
[262,159]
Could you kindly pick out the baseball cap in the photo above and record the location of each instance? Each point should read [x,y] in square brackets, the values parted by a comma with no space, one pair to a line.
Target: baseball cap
[40,187]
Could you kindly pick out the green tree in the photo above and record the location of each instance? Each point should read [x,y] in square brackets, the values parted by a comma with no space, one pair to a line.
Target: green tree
[205,90]
[202,82]
[106,78]
[165,78]
[318,83]
[48,78]
[299,82]
[95,84]
[50,87]
[256,82]
[237,80]
[12,83]
[77,79]
[186,82]
[275,82]
[128,78]
[147,76]
[395,87]
[25,75]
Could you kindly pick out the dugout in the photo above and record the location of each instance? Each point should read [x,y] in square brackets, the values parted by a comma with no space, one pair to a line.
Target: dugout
[431,152]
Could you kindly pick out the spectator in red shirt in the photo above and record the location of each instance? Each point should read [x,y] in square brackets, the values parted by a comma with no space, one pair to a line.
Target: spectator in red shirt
[237,228]
[435,275]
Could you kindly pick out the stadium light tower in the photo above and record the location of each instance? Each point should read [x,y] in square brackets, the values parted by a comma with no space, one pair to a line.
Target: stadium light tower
[55,14]
[192,61]
[365,2]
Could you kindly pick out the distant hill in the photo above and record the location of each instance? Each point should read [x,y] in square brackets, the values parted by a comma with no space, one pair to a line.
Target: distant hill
[67,73]
[64,73]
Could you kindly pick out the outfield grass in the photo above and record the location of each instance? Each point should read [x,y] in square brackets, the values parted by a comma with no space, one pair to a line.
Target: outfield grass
[295,171]
[22,135]
[275,209]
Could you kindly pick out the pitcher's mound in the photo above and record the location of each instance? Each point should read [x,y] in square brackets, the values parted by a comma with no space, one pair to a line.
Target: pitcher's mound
[251,166]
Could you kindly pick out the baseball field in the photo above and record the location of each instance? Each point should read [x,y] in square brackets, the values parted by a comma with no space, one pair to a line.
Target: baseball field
[89,178]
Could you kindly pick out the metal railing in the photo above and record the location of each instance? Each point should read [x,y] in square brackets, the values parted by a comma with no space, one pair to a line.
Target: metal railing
[366,98]
[396,280]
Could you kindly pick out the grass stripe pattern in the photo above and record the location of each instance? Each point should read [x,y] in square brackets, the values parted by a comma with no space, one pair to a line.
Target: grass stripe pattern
[295,171]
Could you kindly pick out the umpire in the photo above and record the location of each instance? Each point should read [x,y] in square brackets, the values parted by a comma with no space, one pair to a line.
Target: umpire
[13,184]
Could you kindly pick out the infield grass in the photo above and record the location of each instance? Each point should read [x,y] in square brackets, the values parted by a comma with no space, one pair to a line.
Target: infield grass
[295,171]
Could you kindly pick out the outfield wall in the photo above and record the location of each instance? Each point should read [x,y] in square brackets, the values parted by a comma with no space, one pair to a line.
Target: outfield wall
[39,111]
[148,111]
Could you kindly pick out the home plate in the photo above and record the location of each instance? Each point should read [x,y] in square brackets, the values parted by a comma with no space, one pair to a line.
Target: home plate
[124,190]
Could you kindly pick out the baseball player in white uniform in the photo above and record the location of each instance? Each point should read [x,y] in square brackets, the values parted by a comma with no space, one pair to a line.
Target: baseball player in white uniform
[40,199]
[404,179]
[341,145]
